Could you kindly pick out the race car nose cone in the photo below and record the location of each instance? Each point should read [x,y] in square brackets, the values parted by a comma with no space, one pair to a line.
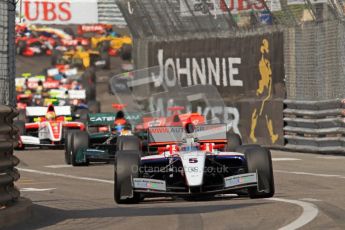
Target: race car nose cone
[193,165]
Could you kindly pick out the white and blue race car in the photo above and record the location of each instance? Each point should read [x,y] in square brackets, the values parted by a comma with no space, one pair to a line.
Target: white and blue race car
[191,162]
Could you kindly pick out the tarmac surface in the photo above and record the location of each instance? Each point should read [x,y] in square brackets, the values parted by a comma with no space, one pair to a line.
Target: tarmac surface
[309,194]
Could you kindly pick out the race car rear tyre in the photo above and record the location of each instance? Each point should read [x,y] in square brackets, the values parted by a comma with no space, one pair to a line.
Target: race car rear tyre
[89,77]
[125,143]
[69,31]
[21,127]
[126,167]
[56,56]
[82,115]
[259,160]
[233,141]
[20,47]
[90,92]
[21,131]
[94,106]
[243,148]
[105,56]
[126,52]
[68,145]
[22,115]
[104,46]
[80,140]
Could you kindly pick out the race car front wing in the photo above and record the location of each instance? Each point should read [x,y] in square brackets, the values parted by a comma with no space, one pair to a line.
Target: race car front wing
[231,183]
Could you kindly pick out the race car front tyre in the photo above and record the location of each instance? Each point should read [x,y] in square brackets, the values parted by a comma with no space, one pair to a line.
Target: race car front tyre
[68,146]
[126,167]
[259,161]
[233,141]
[125,143]
[80,140]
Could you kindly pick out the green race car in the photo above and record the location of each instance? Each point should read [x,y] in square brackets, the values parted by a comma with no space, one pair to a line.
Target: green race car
[101,139]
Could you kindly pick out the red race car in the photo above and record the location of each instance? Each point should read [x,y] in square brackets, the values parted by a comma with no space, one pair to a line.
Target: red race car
[48,127]
[31,46]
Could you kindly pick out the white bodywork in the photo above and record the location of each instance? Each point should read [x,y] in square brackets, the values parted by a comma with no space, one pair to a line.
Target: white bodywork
[29,140]
[193,165]
[45,132]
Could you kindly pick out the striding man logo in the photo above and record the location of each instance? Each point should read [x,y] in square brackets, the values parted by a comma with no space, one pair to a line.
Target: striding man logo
[265,88]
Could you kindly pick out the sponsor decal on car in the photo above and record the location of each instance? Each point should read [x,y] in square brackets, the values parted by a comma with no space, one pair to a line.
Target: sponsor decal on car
[102,119]
[242,179]
[143,183]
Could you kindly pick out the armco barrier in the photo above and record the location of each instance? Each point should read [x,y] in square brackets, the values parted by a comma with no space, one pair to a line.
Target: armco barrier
[8,139]
[315,126]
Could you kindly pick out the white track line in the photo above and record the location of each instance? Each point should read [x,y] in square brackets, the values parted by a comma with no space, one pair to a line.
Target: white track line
[311,174]
[332,157]
[58,166]
[66,176]
[285,159]
[36,189]
[310,212]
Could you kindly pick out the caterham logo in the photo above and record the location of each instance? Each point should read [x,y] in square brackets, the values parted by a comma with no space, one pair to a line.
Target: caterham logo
[102,119]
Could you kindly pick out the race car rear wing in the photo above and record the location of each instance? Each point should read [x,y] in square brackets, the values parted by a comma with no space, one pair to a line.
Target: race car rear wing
[40,111]
[176,134]
[77,94]
[71,94]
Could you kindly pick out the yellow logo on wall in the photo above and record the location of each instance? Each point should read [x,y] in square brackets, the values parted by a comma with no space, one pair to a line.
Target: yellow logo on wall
[265,86]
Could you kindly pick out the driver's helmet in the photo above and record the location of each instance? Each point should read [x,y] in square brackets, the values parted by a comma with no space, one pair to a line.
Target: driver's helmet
[74,85]
[50,116]
[79,47]
[119,125]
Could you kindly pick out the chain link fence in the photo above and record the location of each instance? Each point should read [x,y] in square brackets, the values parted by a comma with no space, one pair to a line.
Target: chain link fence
[7,52]
[109,13]
[314,56]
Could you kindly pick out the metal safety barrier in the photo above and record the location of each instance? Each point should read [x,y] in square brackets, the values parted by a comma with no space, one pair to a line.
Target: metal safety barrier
[315,126]
[8,140]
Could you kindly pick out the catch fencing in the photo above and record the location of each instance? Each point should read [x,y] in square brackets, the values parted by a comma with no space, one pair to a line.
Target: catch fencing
[8,140]
[109,13]
[7,52]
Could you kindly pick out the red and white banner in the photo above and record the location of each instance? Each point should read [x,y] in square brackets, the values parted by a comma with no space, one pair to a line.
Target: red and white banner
[215,7]
[58,11]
